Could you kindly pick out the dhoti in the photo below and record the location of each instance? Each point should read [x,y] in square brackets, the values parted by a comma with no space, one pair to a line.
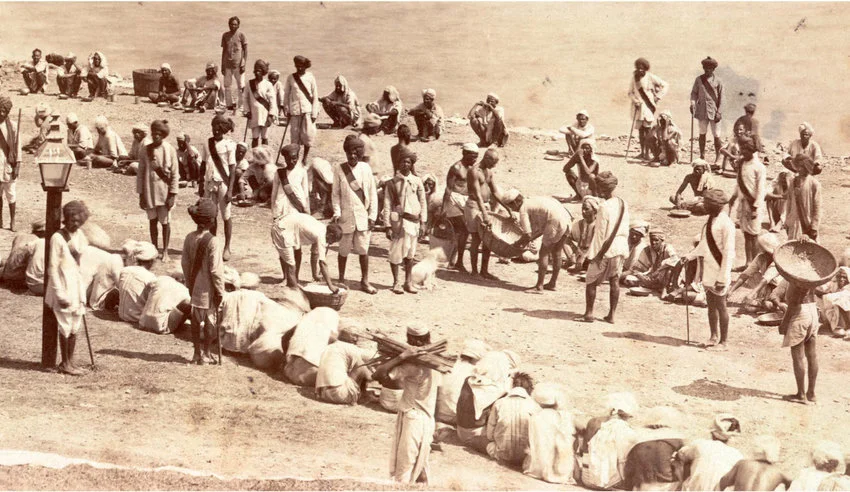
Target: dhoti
[414,432]
[457,202]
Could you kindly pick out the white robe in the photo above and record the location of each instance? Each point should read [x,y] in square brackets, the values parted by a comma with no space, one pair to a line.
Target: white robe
[710,461]
[550,440]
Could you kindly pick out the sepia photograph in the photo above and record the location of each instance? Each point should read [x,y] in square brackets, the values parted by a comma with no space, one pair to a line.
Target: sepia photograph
[410,245]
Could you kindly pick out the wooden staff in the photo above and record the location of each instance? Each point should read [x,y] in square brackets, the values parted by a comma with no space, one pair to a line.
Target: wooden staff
[631,132]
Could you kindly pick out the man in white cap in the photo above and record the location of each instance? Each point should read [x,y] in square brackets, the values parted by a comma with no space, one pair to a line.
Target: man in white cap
[203,92]
[455,197]
[487,120]
[341,375]
[805,145]
[638,242]
[188,161]
[129,164]
[79,137]
[578,132]
[35,73]
[169,87]
[133,281]
[711,459]
[428,116]
[68,76]
[409,462]
[507,425]
[759,472]
[10,158]
[452,382]
[108,147]
[660,257]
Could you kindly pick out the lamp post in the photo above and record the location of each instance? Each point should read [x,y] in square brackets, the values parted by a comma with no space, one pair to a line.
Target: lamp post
[54,160]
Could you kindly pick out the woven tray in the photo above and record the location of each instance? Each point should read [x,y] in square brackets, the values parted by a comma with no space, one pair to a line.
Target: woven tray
[501,236]
[319,295]
[805,263]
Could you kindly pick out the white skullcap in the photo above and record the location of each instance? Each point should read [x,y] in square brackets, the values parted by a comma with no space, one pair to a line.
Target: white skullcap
[622,403]
[249,280]
[767,448]
[547,395]
[418,330]
[510,195]
[181,136]
[140,127]
[71,55]
[71,118]
[165,65]
[101,122]
[470,147]
[430,92]
[43,109]
[474,348]
[584,113]
[145,251]
[806,126]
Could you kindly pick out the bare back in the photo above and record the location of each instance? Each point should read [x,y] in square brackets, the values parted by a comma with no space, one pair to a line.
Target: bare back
[456,179]
[756,475]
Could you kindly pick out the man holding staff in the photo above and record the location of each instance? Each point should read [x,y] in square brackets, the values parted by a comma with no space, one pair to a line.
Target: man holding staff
[645,91]
[706,97]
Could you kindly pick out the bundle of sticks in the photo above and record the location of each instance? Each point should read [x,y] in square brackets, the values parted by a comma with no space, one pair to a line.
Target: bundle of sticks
[430,356]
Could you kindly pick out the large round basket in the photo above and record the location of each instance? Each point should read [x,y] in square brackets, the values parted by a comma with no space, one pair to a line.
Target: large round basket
[319,295]
[805,263]
[501,236]
[145,81]
[443,229]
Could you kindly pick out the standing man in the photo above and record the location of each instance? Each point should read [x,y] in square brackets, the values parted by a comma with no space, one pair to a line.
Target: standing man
[481,185]
[406,212]
[259,99]
[301,104]
[415,424]
[289,196]
[645,91]
[801,217]
[608,248]
[706,98]
[157,183]
[749,196]
[717,249]
[203,269]
[454,200]
[10,153]
[218,167]
[35,73]
[355,205]
[234,56]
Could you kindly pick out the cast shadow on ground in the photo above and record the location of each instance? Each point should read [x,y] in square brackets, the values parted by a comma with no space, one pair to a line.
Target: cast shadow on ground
[22,365]
[545,313]
[643,337]
[465,278]
[128,354]
[714,390]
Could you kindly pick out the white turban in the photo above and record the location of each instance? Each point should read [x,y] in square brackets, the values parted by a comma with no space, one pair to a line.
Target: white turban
[826,451]
[43,109]
[418,330]
[249,280]
[145,251]
[101,122]
[806,126]
[430,92]
[71,118]
[165,65]
[470,147]
[474,349]
[767,448]
[584,113]
[622,403]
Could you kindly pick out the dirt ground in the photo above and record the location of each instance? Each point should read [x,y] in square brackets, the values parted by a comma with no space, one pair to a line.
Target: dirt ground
[145,406]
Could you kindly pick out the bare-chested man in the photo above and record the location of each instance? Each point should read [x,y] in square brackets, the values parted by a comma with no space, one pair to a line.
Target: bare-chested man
[760,472]
[481,186]
[454,200]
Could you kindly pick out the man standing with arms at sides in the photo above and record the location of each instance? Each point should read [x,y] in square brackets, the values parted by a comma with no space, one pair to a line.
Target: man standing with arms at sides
[748,198]
[608,248]
[301,104]
[355,205]
[454,200]
[234,56]
[481,185]
[10,151]
[218,166]
[706,98]
[645,91]
[157,183]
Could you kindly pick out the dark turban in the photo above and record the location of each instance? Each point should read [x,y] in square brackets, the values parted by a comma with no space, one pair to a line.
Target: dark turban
[709,63]
[75,207]
[160,126]
[715,197]
[642,64]
[5,104]
[747,143]
[606,181]
[302,61]
[262,64]
[224,121]
[352,142]
[406,153]
[204,211]
[802,161]
[292,150]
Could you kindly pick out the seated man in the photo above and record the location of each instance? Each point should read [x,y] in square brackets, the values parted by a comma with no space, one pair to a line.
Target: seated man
[578,132]
[305,345]
[648,465]
[699,181]
[96,75]
[109,147]
[835,302]
[487,120]
[806,146]
[129,164]
[68,76]
[389,108]
[730,152]
[255,183]
[169,87]
[42,123]
[188,161]
[638,242]
[342,105]
[661,258]
[665,140]
[133,283]
[14,272]
[79,138]
[204,92]
[551,437]
[428,116]
[168,306]
[451,383]
[35,73]
[583,183]
[581,234]
[711,459]
[826,459]
[342,375]
[542,216]
[760,277]
[507,425]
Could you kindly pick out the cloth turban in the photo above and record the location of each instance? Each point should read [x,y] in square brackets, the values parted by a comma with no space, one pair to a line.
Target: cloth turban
[642,64]
[181,137]
[211,65]
[222,120]
[430,177]
[140,127]
[145,251]
[724,426]
[418,330]
[662,417]
[204,211]
[592,202]
[700,163]
[750,107]
[584,113]
[352,142]
[101,122]
[406,153]
[658,234]
[639,226]
[249,280]
[474,349]
[42,109]
[274,72]
[260,156]
[804,126]
[493,95]
[709,62]
[292,150]
[826,451]
[70,118]
[165,65]
[430,93]
[70,56]
[547,395]
[767,448]
[716,197]
[510,195]
[5,104]
[470,148]
[606,181]
[371,120]
[160,126]
[302,61]
[622,403]
[802,161]
[231,277]
[262,64]
[666,114]
[38,226]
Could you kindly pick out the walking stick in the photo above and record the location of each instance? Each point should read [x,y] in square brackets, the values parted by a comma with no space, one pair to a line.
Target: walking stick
[218,335]
[692,138]
[285,127]
[88,342]
[248,122]
[631,132]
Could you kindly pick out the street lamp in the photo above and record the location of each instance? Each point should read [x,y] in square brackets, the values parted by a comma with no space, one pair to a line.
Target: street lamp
[55,161]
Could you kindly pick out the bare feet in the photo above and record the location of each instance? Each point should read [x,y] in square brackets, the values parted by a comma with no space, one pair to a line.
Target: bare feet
[586,318]
[410,289]
[812,398]
[197,359]
[164,257]
[459,267]
[721,347]
[711,342]
[549,286]
[367,288]
[397,289]
[609,318]
[488,276]
[536,289]
[795,398]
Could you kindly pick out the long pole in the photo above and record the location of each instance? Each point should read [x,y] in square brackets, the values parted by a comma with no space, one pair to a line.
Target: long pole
[631,132]
[692,138]
[277,159]
[687,308]
[49,326]
[88,341]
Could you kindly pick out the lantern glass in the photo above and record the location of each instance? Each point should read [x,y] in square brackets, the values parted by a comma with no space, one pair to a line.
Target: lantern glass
[54,175]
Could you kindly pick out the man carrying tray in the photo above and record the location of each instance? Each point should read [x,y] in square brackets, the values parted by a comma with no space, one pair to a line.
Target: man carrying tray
[608,247]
